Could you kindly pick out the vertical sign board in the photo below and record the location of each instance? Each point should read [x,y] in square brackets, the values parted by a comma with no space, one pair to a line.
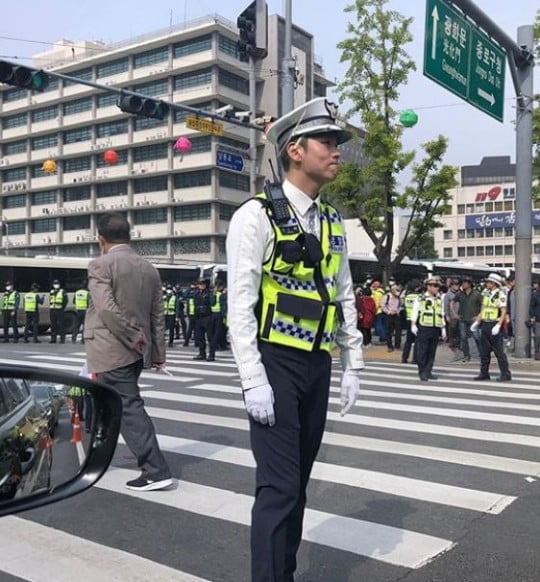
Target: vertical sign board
[458,56]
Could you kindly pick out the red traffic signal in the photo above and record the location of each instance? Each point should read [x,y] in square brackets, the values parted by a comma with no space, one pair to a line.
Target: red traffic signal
[24,77]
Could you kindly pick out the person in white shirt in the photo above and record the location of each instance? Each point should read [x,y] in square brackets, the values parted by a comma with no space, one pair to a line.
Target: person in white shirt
[290,301]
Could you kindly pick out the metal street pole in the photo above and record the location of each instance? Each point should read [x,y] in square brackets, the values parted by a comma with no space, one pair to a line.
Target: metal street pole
[287,65]
[523,250]
[252,131]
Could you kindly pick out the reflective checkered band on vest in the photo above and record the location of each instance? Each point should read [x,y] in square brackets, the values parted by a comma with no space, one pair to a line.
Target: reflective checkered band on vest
[293,330]
[328,338]
[293,284]
[334,216]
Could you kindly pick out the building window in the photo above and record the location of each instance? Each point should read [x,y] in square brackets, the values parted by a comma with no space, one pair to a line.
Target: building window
[233,143]
[17,201]
[76,222]
[46,197]
[193,179]
[192,46]
[44,114]
[122,159]
[150,216]
[461,252]
[226,212]
[53,85]
[154,184]
[470,251]
[228,46]
[75,194]
[140,123]
[447,252]
[319,89]
[45,141]
[112,68]
[234,181]
[234,82]
[77,165]
[180,116]
[151,57]
[36,171]
[112,128]
[193,79]
[14,95]
[18,227]
[479,251]
[508,249]
[150,248]
[201,144]
[489,233]
[44,225]
[191,246]
[470,233]
[499,232]
[461,233]
[106,100]
[536,230]
[498,206]
[498,250]
[192,212]
[154,89]
[489,251]
[479,207]
[111,189]
[157,151]
[509,231]
[15,147]
[447,235]
[461,208]
[536,249]
[78,106]
[77,135]
[14,121]
[489,207]
[84,74]
[509,205]
[14,174]
[469,208]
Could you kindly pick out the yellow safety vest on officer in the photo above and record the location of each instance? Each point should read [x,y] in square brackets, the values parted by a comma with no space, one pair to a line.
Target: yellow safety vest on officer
[82,299]
[216,306]
[191,306]
[169,305]
[10,301]
[30,302]
[492,303]
[56,300]
[297,306]
[409,301]
[430,312]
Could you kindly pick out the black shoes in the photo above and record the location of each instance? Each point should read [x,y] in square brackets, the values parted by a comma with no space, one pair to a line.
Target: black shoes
[210,359]
[482,377]
[432,377]
[507,378]
[199,357]
[424,378]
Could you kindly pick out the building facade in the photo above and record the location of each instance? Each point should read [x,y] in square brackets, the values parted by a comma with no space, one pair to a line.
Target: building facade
[179,206]
[480,226]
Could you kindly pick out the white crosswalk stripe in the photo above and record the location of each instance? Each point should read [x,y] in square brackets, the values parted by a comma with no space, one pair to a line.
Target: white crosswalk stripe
[451,446]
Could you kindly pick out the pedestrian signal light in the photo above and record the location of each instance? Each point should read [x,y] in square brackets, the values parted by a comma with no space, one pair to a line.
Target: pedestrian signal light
[23,77]
[143,106]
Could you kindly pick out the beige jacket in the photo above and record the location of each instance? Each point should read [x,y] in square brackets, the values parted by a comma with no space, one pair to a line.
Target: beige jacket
[124,321]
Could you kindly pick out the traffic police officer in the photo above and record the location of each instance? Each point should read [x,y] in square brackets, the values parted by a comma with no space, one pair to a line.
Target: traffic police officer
[169,309]
[202,306]
[57,304]
[490,320]
[32,300]
[290,299]
[190,302]
[427,324]
[82,301]
[10,305]
[411,295]
[216,326]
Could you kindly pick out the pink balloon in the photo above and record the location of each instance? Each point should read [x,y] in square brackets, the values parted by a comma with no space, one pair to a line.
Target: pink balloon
[183,145]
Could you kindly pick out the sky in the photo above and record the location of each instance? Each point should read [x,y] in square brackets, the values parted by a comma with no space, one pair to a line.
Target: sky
[472,134]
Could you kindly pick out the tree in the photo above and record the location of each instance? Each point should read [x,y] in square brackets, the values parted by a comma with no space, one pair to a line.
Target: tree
[378,67]
[424,249]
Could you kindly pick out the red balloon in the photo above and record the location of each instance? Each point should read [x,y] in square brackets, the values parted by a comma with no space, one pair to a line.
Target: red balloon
[110,156]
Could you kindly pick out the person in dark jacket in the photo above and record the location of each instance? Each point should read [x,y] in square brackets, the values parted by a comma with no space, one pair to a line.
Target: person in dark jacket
[534,315]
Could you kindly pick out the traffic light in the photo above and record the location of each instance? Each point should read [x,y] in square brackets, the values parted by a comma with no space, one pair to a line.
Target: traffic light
[24,77]
[253,27]
[143,106]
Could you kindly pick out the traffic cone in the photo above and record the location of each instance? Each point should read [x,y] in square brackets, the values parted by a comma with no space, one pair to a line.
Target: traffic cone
[77,436]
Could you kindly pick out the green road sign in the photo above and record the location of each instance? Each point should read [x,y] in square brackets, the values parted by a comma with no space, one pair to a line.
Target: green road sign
[458,56]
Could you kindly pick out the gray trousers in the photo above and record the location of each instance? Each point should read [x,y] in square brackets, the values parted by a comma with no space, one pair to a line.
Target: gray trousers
[137,428]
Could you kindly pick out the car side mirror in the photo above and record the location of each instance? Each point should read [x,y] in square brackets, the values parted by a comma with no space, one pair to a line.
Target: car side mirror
[58,434]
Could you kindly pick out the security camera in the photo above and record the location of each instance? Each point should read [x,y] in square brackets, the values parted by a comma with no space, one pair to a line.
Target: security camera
[224,110]
[243,115]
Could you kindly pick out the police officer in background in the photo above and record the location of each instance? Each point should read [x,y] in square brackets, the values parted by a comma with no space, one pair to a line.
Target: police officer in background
[427,324]
[489,321]
[216,323]
[10,305]
[169,309]
[180,322]
[190,303]
[290,299]
[57,304]
[412,293]
[82,301]
[202,305]
[32,300]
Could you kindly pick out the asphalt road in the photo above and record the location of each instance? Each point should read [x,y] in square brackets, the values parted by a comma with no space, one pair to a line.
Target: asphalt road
[432,482]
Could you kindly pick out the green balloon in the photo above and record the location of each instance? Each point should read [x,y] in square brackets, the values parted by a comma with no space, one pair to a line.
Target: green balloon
[408,118]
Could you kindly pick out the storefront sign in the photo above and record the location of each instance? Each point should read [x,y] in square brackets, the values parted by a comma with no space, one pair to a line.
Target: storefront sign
[496,220]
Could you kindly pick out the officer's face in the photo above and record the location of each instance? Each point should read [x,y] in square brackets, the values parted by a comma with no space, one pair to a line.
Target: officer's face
[318,157]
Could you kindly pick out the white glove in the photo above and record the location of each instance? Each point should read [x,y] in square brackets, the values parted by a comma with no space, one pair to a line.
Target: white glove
[414,329]
[443,334]
[350,389]
[495,329]
[259,404]
[475,326]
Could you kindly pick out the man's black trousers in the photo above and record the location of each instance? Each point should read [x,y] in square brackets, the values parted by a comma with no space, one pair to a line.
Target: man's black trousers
[488,343]
[285,454]
[427,341]
[57,324]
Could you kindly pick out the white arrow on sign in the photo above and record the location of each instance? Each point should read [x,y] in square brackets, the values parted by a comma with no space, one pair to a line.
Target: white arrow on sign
[487,96]
[435,15]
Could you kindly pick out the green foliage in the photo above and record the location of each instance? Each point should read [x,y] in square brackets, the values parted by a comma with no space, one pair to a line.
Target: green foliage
[378,67]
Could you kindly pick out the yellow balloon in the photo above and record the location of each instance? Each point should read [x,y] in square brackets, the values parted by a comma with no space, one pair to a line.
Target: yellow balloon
[49,166]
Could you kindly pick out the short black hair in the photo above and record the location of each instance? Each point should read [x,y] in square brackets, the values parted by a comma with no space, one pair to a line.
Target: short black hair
[114,228]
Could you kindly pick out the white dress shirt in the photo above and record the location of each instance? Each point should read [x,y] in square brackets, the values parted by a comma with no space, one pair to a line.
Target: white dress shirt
[250,242]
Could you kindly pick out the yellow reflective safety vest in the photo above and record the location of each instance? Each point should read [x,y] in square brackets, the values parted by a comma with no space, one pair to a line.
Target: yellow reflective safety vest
[409,300]
[431,311]
[56,300]
[9,300]
[216,306]
[82,297]
[30,302]
[191,306]
[169,305]
[297,305]
[492,301]
[377,295]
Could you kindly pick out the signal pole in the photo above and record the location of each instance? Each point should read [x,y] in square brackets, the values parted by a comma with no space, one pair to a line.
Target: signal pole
[287,65]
